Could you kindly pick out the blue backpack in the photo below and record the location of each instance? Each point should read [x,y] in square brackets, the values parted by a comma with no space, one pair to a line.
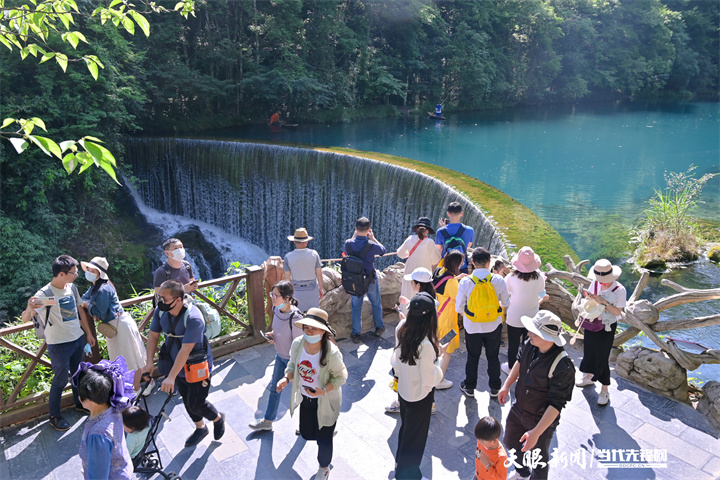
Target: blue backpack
[455,242]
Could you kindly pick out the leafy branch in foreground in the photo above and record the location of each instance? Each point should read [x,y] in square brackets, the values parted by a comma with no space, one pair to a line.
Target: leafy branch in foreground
[29,29]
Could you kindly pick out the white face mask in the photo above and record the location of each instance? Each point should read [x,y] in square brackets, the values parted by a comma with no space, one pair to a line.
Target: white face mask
[178,254]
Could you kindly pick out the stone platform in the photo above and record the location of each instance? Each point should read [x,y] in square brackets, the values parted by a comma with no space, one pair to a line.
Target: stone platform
[679,440]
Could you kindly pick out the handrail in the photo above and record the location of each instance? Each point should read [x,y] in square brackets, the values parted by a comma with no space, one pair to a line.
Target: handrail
[340,259]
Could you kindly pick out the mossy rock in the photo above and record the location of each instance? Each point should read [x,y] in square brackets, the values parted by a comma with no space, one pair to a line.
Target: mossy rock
[714,254]
[652,263]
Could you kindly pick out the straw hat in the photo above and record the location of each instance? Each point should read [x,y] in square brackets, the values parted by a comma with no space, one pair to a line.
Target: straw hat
[604,272]
[526,260]
[423,222]
[546,325]
[300,236]
[98,263]
[590,309]
[318,318]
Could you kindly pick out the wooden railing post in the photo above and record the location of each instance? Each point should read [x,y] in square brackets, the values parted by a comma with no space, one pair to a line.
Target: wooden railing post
[256,298]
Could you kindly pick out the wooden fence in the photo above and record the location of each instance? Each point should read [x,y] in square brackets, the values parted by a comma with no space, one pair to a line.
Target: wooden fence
[17,409]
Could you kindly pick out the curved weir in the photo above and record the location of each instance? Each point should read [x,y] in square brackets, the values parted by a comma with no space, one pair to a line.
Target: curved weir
[263,192]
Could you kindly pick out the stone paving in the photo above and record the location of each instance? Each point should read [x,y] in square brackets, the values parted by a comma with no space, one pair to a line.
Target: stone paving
[366,437]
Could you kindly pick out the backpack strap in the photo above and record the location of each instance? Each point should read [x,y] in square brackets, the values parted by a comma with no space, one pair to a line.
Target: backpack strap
[555,362]
[442,280]
[443,306]
[460,231]
[49,293]
[363,252]
[413,249]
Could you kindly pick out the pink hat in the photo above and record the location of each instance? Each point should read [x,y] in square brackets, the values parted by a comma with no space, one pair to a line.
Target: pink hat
[526,260]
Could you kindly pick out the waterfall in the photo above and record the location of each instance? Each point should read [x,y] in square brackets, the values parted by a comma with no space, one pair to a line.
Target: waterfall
[262,193]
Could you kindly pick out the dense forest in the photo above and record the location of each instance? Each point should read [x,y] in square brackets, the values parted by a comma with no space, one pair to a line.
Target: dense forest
[237,61]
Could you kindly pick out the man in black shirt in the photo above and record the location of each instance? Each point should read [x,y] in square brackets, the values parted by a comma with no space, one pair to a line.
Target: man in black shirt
[545,377]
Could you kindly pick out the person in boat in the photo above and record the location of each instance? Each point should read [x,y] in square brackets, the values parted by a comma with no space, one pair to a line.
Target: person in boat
[438,110]
[275,120]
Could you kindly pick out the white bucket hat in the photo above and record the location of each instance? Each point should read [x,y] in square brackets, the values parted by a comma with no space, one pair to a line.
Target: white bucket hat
[546,325]
[98,263]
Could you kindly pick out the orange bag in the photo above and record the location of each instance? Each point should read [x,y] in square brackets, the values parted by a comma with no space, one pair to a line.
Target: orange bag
[197,369]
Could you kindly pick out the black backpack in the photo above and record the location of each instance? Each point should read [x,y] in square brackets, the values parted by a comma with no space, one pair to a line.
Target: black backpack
[354,280]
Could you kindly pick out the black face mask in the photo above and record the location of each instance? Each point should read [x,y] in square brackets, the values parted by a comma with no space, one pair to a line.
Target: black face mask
[165,307]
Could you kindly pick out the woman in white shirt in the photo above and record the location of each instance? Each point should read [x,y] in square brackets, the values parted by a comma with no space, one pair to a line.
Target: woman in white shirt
[416,362]
[420,251]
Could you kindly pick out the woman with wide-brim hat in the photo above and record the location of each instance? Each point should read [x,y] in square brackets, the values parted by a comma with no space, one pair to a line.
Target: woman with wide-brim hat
[316,370]
[420,251]
[600,332]
[526,286]
[302,266]
[120,330]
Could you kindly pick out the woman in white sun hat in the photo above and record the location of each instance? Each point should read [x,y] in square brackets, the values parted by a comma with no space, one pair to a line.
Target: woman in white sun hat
[120,330]
[600,331]
[317,371]
[526,286]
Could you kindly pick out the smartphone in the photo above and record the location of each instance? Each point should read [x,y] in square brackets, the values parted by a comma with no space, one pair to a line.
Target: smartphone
[448,338]
[310,389]
[45,301]
[266,336]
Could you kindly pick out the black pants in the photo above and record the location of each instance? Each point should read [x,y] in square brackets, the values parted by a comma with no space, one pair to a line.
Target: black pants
[519,422]
[516,335]
[309,429]
[194,396]
[596,354]
[475,343]
[414,426]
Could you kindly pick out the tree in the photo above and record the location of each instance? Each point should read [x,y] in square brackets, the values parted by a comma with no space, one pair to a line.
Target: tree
[34,29]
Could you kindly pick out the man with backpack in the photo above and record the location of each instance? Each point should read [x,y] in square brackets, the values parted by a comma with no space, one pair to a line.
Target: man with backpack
[543,389]
[64,326]
[175,267]
[185,358]
[480,297]
[454,235]
[363,246]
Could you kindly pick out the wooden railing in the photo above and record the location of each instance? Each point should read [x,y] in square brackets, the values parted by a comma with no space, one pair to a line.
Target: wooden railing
[17,409]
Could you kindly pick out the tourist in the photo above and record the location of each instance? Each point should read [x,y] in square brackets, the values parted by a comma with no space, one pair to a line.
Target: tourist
[526,286]
[419,250]
[600,332]
[454,235]
[490,456]
[136,423]
[105,390]
[175,267]
[543,389]
[317,371]
[67,332]
[416,362]
[446,282]
[284,331]
[186,350]
[303,267]
[499,268]
[482,333]
[120,330]
[361,237]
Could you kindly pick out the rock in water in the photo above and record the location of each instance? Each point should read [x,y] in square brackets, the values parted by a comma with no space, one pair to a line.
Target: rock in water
[709,404]
[654,370]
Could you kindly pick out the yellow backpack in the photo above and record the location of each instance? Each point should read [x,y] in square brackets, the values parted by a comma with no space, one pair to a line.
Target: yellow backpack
[482,305]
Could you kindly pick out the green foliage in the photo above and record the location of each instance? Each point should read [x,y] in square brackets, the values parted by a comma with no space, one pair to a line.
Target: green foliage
[668,233]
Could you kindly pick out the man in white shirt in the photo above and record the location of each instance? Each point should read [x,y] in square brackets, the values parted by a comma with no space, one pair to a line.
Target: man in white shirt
[479,335]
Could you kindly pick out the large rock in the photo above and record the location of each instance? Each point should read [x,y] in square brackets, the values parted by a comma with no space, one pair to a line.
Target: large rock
[709,404]
[654,370]
[336,302]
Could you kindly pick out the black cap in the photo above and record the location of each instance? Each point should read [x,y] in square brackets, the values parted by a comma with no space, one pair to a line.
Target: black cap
[422,303]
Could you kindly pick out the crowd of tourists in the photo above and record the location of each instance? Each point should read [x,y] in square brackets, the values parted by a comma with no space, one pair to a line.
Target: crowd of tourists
[448,286]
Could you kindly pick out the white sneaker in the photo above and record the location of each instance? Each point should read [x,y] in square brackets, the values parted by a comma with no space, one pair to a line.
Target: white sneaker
[517,476]
[261,424]
[148,390]
[322,473]
[585,382]
[604,397]
[445,383]
[394,407]
[433,411]
[505,368]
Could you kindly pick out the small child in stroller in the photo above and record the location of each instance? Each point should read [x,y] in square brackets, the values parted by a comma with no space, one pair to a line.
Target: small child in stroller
[136,423]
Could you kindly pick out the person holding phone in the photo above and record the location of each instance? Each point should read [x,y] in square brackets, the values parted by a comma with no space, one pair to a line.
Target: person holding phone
[317,371]
[445,281]
[284,331]
[175,267]
[419,250]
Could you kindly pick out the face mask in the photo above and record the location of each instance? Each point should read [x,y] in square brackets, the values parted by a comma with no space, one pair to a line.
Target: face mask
[90,277]
[312,338]
[178,254]
[165,307]
[281,306]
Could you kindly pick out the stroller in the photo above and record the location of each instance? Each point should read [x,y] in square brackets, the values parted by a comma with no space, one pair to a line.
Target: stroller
[148,460]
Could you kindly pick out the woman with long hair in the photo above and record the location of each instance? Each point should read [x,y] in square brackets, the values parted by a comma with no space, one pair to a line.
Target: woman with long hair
[445,280]
[120,330]
[526,286]
[420,251]
[416,362]
[317,371]
[284,331]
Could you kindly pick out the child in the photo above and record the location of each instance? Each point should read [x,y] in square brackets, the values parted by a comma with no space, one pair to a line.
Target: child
[136,423]
[491,455]
[104,389]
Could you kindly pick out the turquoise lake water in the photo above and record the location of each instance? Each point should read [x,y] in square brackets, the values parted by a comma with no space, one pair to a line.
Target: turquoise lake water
[586,171]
